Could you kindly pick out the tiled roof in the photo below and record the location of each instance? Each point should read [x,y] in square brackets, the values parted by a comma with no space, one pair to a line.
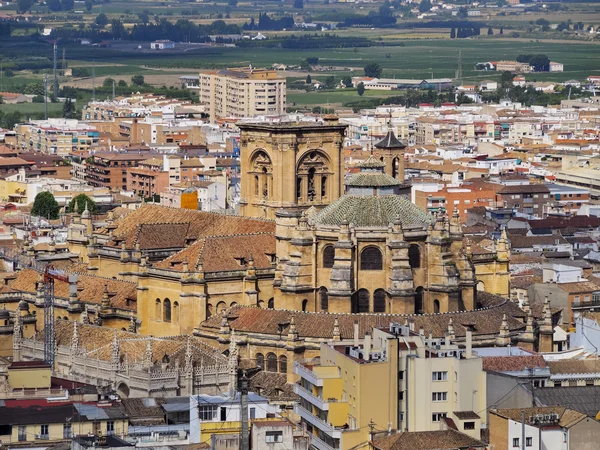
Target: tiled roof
[372,179]
[90,289]
[466,415]
[523,282]
[525,189]
[320,325]
[512,363]
[390,141]
[273,385]
[201,224]
[578,287]
[567,417]
[427,440]
[369,211]
[571,366]
[222,253]
[579,398]
[371,163]
[143,411]
[192,162]
[530,241]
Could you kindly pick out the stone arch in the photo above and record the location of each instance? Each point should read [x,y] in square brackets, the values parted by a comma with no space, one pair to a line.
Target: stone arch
[371,258]
[260,361]
[480,286]
[419,295]
[167,310]
[283,364]
[436,306]
[304,304]
[328,256]
[261,167]
[324,298]
[360,301]
[414,256]
[271,303]
[233,304]
[209,310]
[395,167]
[221,306]
[175,312]
[312,172]
[123,390]
[158,309]
[271,362]
[379,297]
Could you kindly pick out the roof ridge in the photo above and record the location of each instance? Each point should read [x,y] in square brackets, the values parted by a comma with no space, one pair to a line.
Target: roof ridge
[238,234]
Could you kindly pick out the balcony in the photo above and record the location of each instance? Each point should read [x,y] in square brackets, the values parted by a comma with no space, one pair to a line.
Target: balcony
[319,444]
[589,304]
[325,427]
[308,396]
[307,374]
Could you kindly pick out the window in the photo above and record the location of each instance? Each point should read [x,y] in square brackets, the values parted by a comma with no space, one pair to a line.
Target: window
[22,433]
[439,396]
[260,361]
[110,427]
[328,256]
[157,308]
[324,297]
[515,442]
[400,396]
[271,362]
[439,376]
[436,417]
[414,256]
[577,298]
[401,375]
[271,303]
[175,312]
[323,186]
[371,259]
[167,310]
[223,412]
[282,364]
[252,413]
[274,436]
[304,304]
[207,412]
[44,434]
[469,426]
[66,431]
[379,301]
[361,303]
[529,442]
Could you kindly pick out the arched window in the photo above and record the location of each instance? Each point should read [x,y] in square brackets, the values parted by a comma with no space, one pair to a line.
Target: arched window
[379,301]
[233,304]
[265,192]
[256,185]
[436,306]
[419,300]
[298,188]
[324,297]
[395,167]
[157,309]
[209,310]
[304,304]
[323,186]
[271,303]
[480,286]
[311,184]
[221,306]
[361,302]
[282,364]
[371,259]
[328,256]
[414,256]
[176,312]
[167,310]
[271,362]
[260,361]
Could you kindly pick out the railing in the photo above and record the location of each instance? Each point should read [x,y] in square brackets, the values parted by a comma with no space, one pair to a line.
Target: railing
[588,304]
[307,395]
[307,374]
[317,422]
[319,444]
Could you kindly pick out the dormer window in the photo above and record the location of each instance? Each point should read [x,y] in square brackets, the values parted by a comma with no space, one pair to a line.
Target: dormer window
[241,261]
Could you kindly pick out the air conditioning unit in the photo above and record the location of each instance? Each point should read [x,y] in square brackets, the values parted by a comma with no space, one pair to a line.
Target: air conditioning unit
[38,436]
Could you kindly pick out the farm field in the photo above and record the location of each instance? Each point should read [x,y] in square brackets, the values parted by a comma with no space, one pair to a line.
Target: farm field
[54,109]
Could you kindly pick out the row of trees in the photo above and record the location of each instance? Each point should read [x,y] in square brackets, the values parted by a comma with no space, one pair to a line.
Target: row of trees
[46,206]
[267,23]
[465,32]
[539,62]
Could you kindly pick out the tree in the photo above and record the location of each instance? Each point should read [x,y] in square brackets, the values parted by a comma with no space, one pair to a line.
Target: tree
[347,81]
[24,5]
[542,22]
[540,63]
[329,82]
[101,20]
[89,4]
[308,79]
[372,70]
[506,79]
[501,30]
[232,3]
[453,33]
[45,205]
[82,201]
[424,5]
[463,12]
[138,80]
[490,31]
[563,26]
[67,5]
[53,5]
[108,83]
[122,83]
[299,4]
[360,89]
[144,17]
[69,111]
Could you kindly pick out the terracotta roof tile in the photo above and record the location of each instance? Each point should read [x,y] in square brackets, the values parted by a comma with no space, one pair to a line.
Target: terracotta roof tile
[571,366]
[512,363]
[426,440]
[567,417]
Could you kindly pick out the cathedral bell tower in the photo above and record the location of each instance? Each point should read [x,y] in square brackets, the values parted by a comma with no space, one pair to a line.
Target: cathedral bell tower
[290,165]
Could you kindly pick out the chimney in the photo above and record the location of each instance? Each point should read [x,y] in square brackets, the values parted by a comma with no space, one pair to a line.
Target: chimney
[469,348]
[356,333]
[367,346]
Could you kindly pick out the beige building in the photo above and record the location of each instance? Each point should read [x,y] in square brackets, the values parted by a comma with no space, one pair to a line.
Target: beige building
[243,92]
[56,136]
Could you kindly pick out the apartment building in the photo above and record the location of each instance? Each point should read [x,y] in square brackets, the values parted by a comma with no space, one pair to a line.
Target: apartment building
[109,169]
[147,179]
[421,382]
[528,199]
[243,92]
[56,136]
[566,200]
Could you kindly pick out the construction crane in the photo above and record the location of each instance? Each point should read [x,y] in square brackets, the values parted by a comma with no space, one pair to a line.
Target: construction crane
[50,275]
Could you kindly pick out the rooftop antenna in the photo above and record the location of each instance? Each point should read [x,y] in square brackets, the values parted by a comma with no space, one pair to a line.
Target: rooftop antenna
[46,96]
[94,81]
[459,70]
[55,87]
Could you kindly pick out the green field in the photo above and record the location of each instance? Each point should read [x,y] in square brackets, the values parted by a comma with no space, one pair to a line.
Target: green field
[54,109]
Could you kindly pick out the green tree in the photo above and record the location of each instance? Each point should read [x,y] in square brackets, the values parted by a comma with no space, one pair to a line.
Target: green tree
[299,4]
[89,4]
[540,63]
[541,21]
[101,20]
[45,205]
[53,5]
[122,83]
[563,26]
[138,80]
[463,12]
[69,111]
[24,5]
[501,30]
[360,89]
[38,99]
[329,82]
[232,3]
[108,83]
[67,5]
[424,5]
[9,73]
[308,79]
[490,31]
[82,200]
[373,70]
[453,33]
[506,79]
[144,17]
[347,81]
[34,89]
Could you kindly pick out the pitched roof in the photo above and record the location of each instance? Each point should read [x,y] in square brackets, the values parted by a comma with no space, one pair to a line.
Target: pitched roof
[523,282]
[529,241]
[567,417]
[372,179]
[579,398]
[191,162]
[571,366]
[427,440]
[320,325]
[577,287]
[512,363]
[525,189]
[371,163]
[390,141]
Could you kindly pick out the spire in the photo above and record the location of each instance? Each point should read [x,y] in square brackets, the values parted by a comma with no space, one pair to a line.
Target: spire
[189,366]
[17,332]
[503,338]
[224,323]
[115,350]
[75,337]
[292,332]
[85,315]
[450,330]
[148,354]
[105,298]
[337,336]
[132,324]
